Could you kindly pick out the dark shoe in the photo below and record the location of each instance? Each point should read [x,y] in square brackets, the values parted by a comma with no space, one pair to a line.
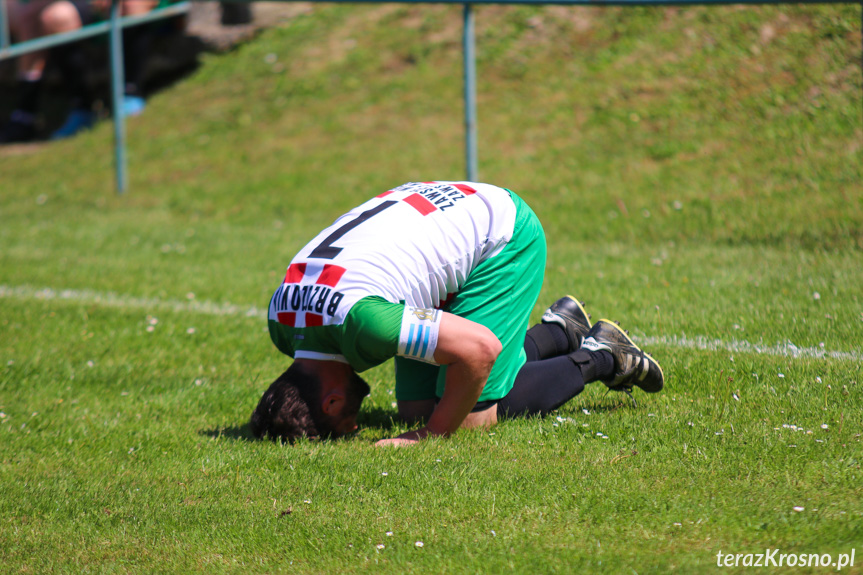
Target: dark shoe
[631,365]
[568,314]
[76,122]
[20,128]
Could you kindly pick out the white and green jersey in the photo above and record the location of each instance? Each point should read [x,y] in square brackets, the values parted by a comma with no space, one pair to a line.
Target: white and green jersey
[365,289]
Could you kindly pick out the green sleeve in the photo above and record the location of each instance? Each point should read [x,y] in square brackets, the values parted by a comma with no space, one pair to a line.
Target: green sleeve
[370,334]
[281,337]
[368,337]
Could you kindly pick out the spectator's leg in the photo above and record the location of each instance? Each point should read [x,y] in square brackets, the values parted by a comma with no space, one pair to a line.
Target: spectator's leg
[73,64]
[136,49]
[137,42]
[72,60]
[59,16]
[24,24]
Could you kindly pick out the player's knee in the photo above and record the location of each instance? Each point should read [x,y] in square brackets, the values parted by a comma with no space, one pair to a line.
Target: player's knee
[60,17]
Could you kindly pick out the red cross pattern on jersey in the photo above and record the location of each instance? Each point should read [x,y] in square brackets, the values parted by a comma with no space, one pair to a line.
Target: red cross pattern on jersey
[432,196]
[308,302]
[308,298]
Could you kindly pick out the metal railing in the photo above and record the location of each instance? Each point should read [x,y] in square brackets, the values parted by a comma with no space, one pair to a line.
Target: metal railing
[114,28]
[116,23]
[11,51]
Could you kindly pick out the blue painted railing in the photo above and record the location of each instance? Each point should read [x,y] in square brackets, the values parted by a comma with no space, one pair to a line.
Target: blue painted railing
[113,27]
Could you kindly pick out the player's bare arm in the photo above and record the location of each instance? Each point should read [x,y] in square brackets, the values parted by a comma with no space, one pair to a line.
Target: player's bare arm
[469,351]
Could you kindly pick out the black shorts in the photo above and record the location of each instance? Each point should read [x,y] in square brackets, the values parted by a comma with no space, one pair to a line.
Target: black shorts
[86,12]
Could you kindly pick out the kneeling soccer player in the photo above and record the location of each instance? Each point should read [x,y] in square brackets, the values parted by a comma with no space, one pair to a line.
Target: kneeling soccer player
[441,276]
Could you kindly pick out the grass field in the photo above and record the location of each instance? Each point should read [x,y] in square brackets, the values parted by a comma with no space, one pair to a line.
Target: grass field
[698,172]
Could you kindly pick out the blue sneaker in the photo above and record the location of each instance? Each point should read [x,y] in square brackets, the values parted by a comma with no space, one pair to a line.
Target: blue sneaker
[133,106]
[77,121]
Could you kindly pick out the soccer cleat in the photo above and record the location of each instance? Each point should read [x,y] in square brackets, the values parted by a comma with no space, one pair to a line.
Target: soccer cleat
[631,365]
[568,314]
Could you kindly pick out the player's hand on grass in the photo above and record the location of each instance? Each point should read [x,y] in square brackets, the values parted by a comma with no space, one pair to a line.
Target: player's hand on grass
[405,439]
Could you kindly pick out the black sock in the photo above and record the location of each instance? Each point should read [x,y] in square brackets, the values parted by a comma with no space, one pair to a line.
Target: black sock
[545,340]
[542,386]
[594,365]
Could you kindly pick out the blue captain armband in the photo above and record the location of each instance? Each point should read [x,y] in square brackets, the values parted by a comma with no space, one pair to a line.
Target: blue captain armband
[419,332]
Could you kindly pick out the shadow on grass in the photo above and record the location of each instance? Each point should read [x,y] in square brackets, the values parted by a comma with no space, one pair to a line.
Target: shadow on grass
[609,403]
[382,419]
[376,417]
[235,432]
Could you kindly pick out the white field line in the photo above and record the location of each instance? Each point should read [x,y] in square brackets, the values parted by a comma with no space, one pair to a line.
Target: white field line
[786,349]
[109,299]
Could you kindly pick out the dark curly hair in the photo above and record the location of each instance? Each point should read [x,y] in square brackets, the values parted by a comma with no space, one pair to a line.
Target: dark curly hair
[290,408]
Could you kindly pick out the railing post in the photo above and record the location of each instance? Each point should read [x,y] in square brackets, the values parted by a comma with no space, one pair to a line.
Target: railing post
[117,83]
[469,43]
[4,25]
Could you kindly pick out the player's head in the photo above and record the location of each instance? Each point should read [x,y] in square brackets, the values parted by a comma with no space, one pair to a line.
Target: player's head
[312,399]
